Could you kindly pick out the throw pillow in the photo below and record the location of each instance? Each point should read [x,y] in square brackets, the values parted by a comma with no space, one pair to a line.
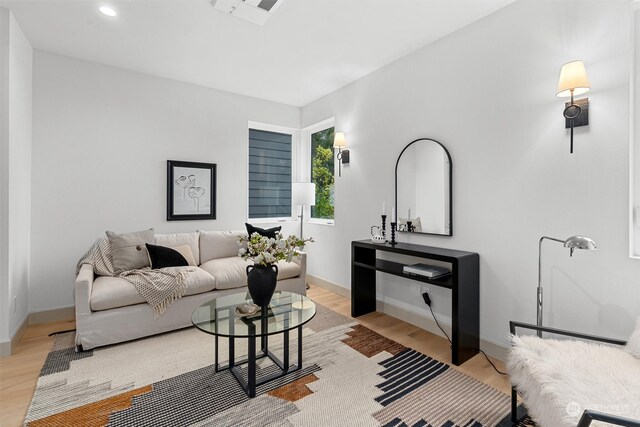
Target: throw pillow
[124,252]
[161,257]
[266,232]
[633,344]
[187,253]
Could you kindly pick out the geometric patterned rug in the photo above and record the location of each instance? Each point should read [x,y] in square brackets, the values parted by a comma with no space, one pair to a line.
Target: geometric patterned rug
[351,376]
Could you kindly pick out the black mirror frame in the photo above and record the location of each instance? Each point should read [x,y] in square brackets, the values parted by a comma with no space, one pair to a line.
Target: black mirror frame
[450,184]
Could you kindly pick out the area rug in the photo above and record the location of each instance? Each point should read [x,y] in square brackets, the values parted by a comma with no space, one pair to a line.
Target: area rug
[351,376]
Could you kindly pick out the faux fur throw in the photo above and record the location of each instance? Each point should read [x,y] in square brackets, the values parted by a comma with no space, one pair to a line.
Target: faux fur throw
[159,288]
[559,379]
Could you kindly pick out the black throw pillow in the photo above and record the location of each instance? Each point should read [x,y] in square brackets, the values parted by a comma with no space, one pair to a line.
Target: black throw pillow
[269,232]
[161,257]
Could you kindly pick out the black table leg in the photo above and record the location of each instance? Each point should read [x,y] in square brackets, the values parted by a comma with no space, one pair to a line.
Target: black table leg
[232,343]
[217,365]
[251,375]
[299,347]
[285,361]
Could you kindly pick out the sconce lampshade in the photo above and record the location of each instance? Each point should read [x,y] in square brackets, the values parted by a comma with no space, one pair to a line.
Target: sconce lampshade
[303,193]
[573,75]
[339,140]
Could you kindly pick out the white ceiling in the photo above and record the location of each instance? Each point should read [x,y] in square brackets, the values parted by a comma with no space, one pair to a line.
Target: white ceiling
[307,49]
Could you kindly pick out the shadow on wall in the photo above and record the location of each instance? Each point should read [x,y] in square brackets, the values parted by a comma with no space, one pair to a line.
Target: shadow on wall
[608,314]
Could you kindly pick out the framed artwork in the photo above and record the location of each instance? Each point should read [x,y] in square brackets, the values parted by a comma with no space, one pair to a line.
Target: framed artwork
[191,190]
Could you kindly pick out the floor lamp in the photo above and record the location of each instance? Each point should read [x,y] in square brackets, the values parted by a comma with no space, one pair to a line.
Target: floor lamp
[303,194]
[573,242]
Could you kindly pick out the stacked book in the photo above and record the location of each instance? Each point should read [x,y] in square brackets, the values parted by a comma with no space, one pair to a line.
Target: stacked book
[424,270]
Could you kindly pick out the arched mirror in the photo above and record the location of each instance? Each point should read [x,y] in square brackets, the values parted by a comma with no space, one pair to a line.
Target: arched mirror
[423,188]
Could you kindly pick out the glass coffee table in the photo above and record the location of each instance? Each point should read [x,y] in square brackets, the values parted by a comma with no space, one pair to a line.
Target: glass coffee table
[286,311]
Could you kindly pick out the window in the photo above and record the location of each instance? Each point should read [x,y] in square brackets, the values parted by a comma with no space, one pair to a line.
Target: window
[322,172]
[269,174]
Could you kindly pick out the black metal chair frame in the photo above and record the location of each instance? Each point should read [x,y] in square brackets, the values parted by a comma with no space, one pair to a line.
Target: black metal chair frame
[587,416]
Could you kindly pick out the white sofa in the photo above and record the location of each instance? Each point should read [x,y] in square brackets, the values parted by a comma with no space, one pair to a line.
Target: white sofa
[109,310]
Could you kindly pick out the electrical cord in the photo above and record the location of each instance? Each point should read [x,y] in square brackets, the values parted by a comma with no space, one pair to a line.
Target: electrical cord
[61,332]
[449,339]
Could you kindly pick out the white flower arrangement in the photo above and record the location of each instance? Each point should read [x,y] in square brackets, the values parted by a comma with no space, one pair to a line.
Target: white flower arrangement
[267,251]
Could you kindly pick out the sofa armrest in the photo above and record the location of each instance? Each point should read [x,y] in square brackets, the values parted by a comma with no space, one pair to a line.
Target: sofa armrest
[83,285]
[301,260]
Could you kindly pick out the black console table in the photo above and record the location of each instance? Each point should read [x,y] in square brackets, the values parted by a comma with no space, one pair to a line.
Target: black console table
[463,281]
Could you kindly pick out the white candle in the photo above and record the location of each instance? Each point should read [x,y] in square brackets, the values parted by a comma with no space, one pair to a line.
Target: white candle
[393,214]
[384,208]
[409,215]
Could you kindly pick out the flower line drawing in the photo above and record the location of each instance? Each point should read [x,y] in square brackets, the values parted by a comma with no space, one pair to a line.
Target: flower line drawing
[188,186]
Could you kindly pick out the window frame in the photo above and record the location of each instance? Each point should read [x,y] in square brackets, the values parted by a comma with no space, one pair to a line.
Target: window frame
[305,171]
[295,142]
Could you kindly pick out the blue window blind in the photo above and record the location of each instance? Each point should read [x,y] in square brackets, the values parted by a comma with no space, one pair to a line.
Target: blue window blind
[269,174]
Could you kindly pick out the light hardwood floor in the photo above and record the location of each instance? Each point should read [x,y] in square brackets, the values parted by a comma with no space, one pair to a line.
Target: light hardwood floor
[19,372]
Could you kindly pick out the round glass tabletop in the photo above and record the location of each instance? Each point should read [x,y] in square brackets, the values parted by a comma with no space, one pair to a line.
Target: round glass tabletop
[286,311]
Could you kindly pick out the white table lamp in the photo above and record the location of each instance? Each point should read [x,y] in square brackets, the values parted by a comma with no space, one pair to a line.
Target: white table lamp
[303,194]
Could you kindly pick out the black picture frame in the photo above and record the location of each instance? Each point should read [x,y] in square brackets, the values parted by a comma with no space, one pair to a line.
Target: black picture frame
[191,191]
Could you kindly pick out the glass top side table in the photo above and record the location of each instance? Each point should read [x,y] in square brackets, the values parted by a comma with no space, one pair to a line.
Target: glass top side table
[286,311]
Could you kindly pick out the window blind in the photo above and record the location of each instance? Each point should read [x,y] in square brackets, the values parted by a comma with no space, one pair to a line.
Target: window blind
[269,174]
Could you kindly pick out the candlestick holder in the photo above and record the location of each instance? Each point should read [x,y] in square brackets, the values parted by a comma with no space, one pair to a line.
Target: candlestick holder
[393,233]
[384,227]
[409,226]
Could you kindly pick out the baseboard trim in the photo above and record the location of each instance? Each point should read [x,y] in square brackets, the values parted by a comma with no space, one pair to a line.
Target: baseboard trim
[330,286]
[55,315]
[492,349]
[7,348]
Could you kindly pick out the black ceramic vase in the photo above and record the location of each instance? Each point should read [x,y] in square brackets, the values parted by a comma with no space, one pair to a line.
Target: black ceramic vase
[261,281]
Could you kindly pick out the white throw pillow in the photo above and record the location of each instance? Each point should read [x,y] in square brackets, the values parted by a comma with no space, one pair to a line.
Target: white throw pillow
[185,251]
[178,239]
[633,344]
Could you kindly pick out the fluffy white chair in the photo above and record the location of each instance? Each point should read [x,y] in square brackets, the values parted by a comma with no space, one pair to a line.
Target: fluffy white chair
[565,383]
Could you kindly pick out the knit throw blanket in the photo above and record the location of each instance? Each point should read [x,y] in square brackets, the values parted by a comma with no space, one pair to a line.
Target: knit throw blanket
[159,288]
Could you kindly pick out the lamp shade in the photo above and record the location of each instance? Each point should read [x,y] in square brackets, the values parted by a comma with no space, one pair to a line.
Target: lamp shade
[303,193]
[573,75]
[339,140]
[580,242]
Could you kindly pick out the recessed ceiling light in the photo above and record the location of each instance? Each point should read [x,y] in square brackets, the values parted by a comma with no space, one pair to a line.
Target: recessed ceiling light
[107,11]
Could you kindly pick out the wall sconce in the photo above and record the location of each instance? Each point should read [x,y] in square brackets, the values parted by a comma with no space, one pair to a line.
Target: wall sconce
[573,81]
[340,143]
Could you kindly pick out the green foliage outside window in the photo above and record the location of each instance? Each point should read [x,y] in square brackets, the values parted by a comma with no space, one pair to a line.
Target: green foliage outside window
[322,159]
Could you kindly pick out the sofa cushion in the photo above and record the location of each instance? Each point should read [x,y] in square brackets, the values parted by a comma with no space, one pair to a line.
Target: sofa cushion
[287,270]
[219,244]
[128,251]
[229,272]
[178,239]
[112,292]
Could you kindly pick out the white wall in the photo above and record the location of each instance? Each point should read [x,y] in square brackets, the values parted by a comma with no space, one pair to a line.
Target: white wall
[16,173]
[487,92]
[635,108]
[4,174]
[102,136]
